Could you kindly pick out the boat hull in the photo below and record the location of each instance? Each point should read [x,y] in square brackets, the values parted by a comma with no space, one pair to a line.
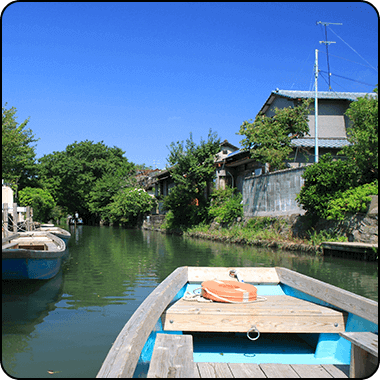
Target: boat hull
[34,255]
[30,269]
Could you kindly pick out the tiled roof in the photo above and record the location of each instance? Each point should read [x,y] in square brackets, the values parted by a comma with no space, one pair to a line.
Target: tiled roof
[308,143]
[324,94]
[236,152]
[290,94]
[322,143]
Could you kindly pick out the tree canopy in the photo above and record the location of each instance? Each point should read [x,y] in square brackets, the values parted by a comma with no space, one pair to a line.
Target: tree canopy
[192,169]
[268,138]
[335,187]
[364,137]
[85,176]
[41,201]
[18,154]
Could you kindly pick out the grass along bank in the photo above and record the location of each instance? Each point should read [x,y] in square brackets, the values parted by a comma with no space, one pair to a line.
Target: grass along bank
[289,233]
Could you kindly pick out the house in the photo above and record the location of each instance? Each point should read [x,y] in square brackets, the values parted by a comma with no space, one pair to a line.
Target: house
[163,182]
[332,133]
[274,193]
[332,121]
[223,176]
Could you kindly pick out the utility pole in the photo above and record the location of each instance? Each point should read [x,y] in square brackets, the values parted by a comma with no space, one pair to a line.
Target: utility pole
[316,152]
[316,108]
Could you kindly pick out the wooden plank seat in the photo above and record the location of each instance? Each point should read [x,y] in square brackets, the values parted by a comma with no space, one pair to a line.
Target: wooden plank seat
[279,313]
[172,357]
[364,353]
[10,245]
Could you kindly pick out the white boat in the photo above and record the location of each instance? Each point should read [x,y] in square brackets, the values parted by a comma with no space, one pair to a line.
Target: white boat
[34,255]
[296,326]
[58,231]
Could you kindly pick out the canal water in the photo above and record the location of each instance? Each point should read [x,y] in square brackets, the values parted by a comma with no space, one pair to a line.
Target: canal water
[64,327]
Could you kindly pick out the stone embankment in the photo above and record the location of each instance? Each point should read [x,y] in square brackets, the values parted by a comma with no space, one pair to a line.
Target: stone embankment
[361,227]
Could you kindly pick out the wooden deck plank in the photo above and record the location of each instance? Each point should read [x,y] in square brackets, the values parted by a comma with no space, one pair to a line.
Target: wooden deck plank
[278,370]
[340,371]
[246,370]
[277,314]
[214,370]
[271,370]
[308,371]
[172,357]
[197,375]
[343,299]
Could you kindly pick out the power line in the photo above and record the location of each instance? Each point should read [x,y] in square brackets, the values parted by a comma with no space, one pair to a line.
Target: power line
[358,63]
[353,50]
[340,76]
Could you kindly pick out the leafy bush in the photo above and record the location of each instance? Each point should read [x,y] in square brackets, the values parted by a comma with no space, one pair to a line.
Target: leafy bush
[40,200]
[323,180]
[225,206]
[351,201]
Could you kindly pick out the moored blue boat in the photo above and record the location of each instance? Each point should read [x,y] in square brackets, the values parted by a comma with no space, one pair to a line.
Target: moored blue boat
[34,255]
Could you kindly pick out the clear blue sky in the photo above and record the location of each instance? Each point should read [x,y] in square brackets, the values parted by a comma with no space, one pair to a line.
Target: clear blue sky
[142,75]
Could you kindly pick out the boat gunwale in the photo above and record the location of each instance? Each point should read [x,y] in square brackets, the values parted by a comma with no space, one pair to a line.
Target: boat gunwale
[55,230]
[123,356]
[20,253]
[335,296]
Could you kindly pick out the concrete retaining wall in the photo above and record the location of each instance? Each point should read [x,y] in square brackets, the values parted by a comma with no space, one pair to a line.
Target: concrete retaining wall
[273,194]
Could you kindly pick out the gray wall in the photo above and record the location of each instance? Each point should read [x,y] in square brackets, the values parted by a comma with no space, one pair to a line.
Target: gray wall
[273,194]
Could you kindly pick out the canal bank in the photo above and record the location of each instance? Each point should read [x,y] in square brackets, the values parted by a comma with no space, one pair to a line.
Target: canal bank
[293,233]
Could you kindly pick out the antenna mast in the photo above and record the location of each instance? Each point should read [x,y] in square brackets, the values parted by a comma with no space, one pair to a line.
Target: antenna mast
[327,43]
[316,153]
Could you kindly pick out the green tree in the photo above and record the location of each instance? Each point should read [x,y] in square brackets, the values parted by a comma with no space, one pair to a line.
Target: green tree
[18,155]
[129,204]
[192,169]
[85,176]
[41,200]
[268,138]
[363,136]
[325,181]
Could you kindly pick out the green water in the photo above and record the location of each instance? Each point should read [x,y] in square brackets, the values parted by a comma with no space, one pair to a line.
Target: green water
[67,325]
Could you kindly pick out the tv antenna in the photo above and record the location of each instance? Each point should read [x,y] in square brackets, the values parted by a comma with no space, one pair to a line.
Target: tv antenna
[327,43]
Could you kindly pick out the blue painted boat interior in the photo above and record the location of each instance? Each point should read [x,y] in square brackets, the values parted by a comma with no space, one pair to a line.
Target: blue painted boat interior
[290,348]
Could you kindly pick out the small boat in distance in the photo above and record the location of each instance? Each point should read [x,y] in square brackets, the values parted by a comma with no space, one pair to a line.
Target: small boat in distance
[34,255]
[291,325]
